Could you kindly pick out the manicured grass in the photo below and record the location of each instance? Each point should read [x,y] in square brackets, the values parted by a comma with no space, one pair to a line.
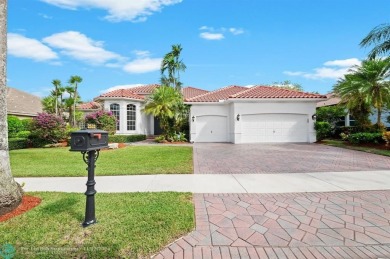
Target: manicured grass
[130,160]
[130,225]
[343,144]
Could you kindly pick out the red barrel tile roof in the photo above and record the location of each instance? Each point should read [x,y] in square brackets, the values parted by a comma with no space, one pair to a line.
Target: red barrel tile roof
[89,106]
[122,93]
[274,92]
[191,92]
[217,95]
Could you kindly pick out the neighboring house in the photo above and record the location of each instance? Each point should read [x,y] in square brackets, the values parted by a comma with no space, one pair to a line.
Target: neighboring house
[22,104]
[87,108]
[348,120]
[127,104]
[253,115]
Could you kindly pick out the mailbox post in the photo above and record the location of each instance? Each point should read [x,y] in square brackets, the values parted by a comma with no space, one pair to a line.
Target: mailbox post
[89,142]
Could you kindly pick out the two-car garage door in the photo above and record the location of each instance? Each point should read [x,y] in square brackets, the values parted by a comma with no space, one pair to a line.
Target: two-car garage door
[258,128]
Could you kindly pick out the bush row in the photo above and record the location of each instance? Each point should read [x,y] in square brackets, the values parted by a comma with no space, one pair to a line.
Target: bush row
[125,138]
[364,137]
[17,143]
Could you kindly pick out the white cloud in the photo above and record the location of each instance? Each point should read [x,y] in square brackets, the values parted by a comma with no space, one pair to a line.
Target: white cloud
[236,31]
[45,16]
[80,47]
[333,69]
[118,10]
[211,36]
[142,53]
[143,65]
[120,87]
[23,47]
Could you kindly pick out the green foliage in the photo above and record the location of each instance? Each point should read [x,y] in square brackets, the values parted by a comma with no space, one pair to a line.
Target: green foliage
[103,120]
[331,114]
[47,128]
[17,143]
[365,137]
[287,84]
[26,124]
[323,129]
[23,134]
[125,138]
[14,125]
[172,64]
[380,38]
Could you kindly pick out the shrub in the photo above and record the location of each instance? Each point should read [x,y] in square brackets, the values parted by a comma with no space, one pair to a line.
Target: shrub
[125,138]
[26,124]
[48,128]
[386,137]
[23,134]
[365,137]
[323,129]
[17,143]
[104,120]
[14,125]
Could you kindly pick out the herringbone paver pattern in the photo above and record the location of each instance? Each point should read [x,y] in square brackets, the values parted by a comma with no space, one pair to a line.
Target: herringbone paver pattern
[308,225]
[224,158]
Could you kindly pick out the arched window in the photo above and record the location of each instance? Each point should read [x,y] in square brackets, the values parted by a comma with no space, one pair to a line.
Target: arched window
[114,108]
[131,117]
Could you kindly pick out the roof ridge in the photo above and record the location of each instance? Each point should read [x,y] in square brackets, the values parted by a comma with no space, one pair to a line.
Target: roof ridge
[215,91]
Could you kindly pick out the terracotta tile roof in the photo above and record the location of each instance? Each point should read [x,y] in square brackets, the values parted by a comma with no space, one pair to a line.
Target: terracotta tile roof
[20,103]
[122,93]
[191,92]
[262,92]
[89,106]
[144,89]
[333,99]
[220,94]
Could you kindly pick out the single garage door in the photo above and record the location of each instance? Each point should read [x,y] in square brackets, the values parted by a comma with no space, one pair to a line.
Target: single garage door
[211,129]
[274,128]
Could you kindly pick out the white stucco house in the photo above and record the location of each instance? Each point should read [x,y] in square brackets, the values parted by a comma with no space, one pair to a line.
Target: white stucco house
[232,114]
[253,115]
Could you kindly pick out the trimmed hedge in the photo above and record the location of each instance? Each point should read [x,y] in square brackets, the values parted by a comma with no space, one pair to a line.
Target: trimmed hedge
[125,138]
[17,143]
[363,137]
[323,129]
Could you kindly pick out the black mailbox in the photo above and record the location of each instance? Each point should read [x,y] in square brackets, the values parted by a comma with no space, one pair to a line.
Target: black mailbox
[88,140]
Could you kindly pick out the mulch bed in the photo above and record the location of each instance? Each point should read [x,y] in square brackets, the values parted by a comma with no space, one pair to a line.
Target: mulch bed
[28,203]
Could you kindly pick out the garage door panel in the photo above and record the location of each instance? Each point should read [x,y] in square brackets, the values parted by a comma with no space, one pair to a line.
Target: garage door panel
[211,129]
[274,128]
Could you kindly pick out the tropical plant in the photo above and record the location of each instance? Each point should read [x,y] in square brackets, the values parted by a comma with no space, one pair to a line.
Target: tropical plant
[172,64]
[55,93]
[10,191]
[104,120]
[163,103]
[48,128]
[49,104]
[380,38]
[74,81]
[367,84]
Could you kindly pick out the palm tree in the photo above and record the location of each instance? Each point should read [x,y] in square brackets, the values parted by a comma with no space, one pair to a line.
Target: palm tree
[10,191]
[69,102]
[173,64]
[49,103]
[57,86]
[162,104]
[380,38]
[370,81]
[74,80]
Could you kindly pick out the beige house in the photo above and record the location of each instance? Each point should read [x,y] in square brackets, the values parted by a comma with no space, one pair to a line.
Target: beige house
[22,104]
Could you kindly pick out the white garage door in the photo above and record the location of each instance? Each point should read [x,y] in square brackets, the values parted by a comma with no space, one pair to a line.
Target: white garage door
[274,128]
[211,129]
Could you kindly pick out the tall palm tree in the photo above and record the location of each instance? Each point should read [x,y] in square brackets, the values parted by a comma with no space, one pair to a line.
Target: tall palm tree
[173,65]
[162,104]
[370,80]
[74,81]
[57,86]
[380,38]
[69,102]
[10,191]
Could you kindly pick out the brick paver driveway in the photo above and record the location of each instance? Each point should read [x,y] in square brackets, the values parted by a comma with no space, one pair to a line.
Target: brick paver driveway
[222,158]
[306,225]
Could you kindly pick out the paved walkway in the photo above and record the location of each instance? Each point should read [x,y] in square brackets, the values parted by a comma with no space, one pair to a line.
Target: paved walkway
[240,183]
[224,158]
[315,225]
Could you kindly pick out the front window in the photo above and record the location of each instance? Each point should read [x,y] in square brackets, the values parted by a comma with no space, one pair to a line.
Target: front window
[114,108]
[131,117]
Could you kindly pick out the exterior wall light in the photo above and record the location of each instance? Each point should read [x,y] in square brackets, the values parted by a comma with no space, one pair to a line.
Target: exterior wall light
[193,118]
[238,117]
[314,117]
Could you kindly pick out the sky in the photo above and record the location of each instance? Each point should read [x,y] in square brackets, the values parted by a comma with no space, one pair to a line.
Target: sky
[120,43]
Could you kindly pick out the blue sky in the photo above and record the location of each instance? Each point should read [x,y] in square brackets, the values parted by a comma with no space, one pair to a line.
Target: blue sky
[112,43]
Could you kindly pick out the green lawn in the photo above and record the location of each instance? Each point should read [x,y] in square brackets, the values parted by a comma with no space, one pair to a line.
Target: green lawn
[131,160]
[130,225]
[343,144]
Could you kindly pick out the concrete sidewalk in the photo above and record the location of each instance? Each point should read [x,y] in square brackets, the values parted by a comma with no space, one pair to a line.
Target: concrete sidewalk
[228,183]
